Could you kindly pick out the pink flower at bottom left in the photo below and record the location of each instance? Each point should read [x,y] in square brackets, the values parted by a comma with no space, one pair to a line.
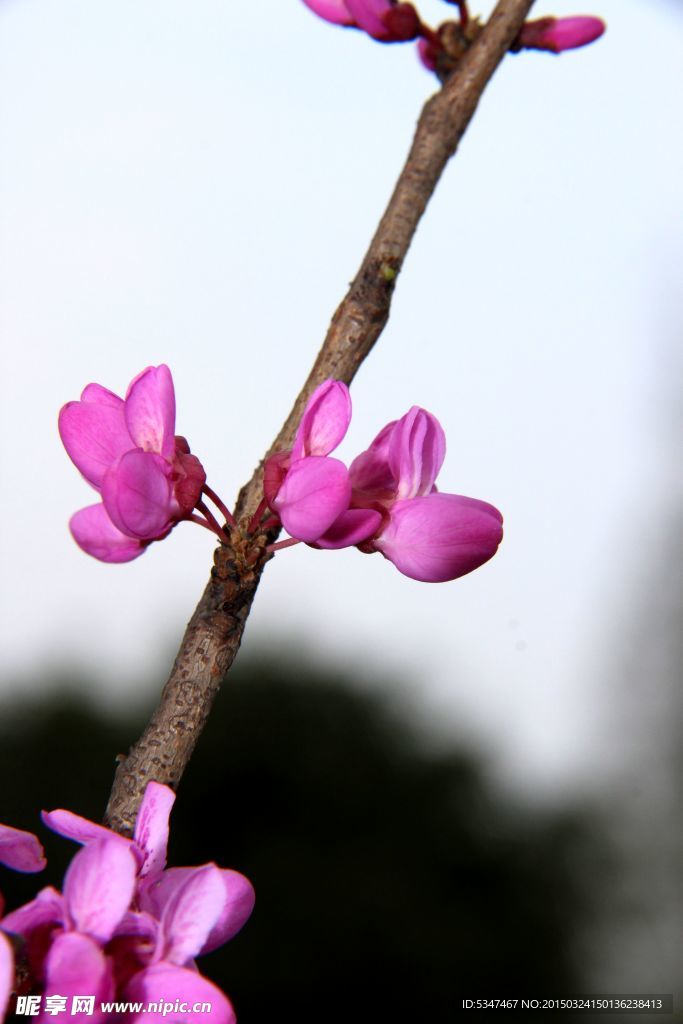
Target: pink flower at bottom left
[123,929]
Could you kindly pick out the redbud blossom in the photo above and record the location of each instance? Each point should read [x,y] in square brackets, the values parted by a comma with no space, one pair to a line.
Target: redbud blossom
[559,34]
[127,450]
[124,927]
[388,501]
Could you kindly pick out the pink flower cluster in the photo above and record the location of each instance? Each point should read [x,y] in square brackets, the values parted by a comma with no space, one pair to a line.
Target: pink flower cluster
[127,450]
[389,21]
[386,501]
[124,927]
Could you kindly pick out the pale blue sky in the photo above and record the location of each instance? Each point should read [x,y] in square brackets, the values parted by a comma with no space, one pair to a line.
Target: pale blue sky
[196,183]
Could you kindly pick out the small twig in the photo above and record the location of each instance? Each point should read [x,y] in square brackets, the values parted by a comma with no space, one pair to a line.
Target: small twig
[214,633]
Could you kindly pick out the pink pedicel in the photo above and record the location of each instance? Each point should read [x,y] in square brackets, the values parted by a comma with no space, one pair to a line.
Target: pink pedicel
[387,501]
[124,927]
[128,452]
[559,34]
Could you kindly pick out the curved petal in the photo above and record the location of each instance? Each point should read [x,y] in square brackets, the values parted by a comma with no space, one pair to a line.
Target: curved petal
[335,11]
[191,912]
[99,886]
[150,411]
[325,420]
[102,396]
[73,826]
[94,435]
[94,532]
[169,987]
[6,974]
[367,14]
[138,496]
[21,850]
[441,536]
[560,34]
[316,490]
[370,472]
[76,966]
[351,527]
[151,827]
[237,907]
[237,903]
[47,908]
[416,452]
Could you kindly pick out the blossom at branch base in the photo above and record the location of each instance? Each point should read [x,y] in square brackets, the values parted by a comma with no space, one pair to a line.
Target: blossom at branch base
[429,536]
[306,488]
[386,21]
[128,452]
[126,928]
[559,34]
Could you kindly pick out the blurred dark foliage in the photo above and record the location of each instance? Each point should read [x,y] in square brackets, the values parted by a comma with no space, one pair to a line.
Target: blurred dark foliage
[391,882]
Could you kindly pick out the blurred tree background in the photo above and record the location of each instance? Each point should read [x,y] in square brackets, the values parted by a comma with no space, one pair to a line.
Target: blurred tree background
[391,881]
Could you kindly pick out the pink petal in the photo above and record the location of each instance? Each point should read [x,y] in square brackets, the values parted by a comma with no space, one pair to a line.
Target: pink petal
[94,435]
[325,420]
[367,14]
[94,532]
[192,911]
[20,850]
[151,827]
[150,411]
[416,453]
[102,396]
[316,490]
[441,536]
[99,886]
[75,966]
[139,925]
[352,527]
[47,908]
[559,34]
[171,986]
[138,496]
[370,472]
[331,10]
[6,974]
[237,907]
[73,826]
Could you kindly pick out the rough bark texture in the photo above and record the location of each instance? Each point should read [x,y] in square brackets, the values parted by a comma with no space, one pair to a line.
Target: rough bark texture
[215,631]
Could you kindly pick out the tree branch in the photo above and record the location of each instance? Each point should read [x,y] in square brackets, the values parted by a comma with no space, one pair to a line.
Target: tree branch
[215,631]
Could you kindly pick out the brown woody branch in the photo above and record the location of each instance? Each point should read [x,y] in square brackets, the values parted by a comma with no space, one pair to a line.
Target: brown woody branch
[215,630]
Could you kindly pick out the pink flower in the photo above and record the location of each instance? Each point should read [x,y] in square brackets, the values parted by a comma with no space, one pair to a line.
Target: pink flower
[305,488]
[429,536]
[127,450]
[384,20]
[559,34]
[124,927]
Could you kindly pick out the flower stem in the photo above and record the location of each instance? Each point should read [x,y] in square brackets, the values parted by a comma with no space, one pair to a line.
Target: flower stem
[257,516]
[212,522]
[222,508]
[290,542]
